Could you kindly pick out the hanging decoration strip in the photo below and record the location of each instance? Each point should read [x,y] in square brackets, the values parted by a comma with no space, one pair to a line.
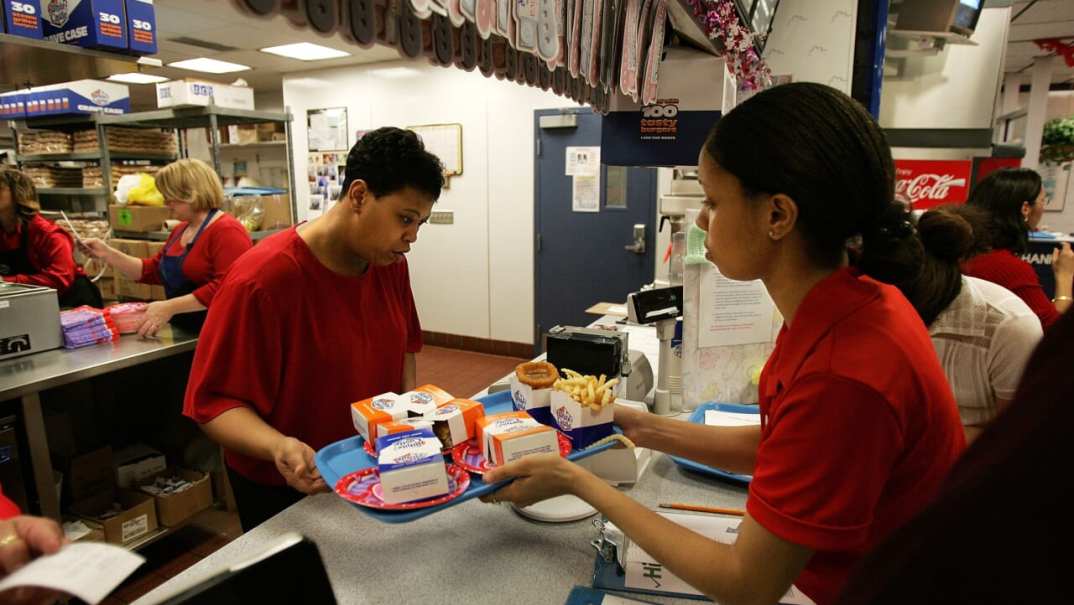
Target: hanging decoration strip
[721,23]
[1057,46]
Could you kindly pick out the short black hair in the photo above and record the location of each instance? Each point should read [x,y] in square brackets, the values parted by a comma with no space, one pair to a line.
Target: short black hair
[1002,194]
[390,159]
[823,150]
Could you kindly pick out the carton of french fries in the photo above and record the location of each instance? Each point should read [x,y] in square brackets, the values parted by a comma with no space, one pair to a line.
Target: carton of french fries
[582,407]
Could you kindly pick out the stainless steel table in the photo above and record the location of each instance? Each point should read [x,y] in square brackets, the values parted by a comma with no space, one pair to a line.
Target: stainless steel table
[472,553]
[24,378]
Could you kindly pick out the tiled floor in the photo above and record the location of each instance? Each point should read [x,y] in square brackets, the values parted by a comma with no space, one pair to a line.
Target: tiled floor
[461,373]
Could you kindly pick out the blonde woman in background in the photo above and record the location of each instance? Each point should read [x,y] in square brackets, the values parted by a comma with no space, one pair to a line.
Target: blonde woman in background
[198,252]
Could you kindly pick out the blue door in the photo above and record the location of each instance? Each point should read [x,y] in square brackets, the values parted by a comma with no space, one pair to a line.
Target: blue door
[583,258]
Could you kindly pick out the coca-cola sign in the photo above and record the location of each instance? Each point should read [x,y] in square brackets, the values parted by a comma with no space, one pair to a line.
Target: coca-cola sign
[928,183]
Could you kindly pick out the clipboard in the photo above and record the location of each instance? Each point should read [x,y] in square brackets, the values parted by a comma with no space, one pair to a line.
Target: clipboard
[607,575]
[580,595]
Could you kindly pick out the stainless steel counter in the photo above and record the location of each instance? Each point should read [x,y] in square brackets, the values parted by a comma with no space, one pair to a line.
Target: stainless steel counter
[24,378]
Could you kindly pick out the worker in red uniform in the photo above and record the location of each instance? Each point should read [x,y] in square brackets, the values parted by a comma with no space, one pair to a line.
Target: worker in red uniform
[858,425]
[311,320]
[36,251]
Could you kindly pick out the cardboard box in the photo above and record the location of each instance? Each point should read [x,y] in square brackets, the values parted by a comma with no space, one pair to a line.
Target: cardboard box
[126,288]
[77,530]
[78,97]
[91,477]
[154,248]
[370,413]
[107,286]
[140,219]
[411,466]
[242,134]
[138,519]
[134,247]
[199,92]
[141,27]
[266,131]
[513,435]
[22,17]
[580,422]
[173,509]
[277,211]
[403,426]
[138,462]
[424,399]
[89,23]
[456,421]
[537,402]
[157,293]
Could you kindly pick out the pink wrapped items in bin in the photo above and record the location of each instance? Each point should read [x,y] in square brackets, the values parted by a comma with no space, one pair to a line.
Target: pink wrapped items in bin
[128,316]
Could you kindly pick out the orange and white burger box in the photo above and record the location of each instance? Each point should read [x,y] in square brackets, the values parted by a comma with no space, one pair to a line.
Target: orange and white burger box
[370,413]
[456,421]
[514,435]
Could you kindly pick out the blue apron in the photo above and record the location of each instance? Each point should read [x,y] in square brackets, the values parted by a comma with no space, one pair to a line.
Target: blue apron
[175,282]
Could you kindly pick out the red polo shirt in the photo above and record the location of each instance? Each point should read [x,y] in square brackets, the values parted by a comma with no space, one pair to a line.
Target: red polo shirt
[223,241]
[1004,268]
[859,427]
[49,249]
[297,344]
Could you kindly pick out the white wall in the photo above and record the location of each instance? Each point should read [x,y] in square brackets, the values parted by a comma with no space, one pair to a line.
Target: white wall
[813,41]
[475,277]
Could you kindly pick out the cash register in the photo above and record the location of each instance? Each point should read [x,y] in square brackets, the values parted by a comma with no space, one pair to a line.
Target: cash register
[29,319]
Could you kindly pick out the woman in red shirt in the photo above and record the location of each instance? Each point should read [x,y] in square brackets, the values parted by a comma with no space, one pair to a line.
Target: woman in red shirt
[858,425]
[34,250]
[198,252]
[1014,199]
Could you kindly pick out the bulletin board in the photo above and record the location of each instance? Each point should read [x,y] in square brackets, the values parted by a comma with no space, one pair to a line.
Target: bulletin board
[445,141]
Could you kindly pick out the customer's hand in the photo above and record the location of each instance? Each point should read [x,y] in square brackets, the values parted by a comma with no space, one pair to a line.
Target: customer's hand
[631,421]
[294,460]
[23,539]
[1063,262]
[157,313]
[536,478]
[95,248]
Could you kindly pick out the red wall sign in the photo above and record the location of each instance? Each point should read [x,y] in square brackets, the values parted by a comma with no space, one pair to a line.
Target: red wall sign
[928,183]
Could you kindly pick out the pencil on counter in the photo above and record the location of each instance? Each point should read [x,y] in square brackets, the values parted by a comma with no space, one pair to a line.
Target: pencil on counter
[704,509]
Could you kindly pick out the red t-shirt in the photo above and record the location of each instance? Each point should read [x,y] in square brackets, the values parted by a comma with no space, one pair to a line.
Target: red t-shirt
[8,509]
[1004,268]
[858,427]
[298,343]
[50,250]
[223,241]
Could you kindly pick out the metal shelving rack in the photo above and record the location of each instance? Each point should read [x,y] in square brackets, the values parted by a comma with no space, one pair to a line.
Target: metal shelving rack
[182,118]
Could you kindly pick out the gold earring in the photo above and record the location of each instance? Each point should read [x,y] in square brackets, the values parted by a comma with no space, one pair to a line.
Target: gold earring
[772,235]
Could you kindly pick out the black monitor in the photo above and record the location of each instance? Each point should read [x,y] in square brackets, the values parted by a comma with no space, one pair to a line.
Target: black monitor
[966,15]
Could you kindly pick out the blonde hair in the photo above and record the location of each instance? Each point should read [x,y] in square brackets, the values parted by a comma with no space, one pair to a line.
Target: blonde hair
[191,181]
[23,193]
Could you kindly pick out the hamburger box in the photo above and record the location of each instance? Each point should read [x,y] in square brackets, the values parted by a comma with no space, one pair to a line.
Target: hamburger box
[424,399]
[174,508]
[456,421]
[137,517]
[391,428]
[535,401]
[140,219]
[512,436]
[199,92]
[411,466]
[368,414]
[78,97]
[89,23]
[141,27]
[579,422]
[22,17]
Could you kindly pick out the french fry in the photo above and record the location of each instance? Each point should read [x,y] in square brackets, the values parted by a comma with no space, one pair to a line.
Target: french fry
[590,391]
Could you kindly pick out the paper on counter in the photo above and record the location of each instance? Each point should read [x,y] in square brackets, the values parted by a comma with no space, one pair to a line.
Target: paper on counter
[88,571]
[718,418]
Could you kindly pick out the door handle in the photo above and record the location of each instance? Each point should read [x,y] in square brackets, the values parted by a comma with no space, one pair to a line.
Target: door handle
[638,247]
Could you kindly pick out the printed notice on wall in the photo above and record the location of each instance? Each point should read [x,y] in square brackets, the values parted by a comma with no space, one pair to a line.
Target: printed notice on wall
[733,312]
[583,161]
[585,193]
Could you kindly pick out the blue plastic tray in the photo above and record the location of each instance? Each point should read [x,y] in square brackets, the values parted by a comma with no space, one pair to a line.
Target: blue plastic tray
[698,417]
[347,456]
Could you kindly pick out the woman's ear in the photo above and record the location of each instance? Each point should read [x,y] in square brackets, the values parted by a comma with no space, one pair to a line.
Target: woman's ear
[1027,209]
[781,216]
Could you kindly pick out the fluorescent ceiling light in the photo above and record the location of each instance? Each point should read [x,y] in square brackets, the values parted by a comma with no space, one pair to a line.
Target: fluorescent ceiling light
[209,66]
[305,51]
[135,77]
[395,73]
